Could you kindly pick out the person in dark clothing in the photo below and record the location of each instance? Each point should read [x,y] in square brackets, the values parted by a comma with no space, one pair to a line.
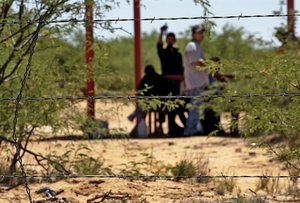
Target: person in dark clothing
[172,70]
[211,119]
[152,84]
[170,58]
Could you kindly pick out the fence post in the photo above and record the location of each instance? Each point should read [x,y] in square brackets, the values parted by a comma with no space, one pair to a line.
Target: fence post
[137,42]
[291,19]
[89,55]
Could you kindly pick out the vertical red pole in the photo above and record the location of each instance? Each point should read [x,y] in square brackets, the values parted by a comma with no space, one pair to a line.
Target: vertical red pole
[89,56]
[291,19]
[137,43]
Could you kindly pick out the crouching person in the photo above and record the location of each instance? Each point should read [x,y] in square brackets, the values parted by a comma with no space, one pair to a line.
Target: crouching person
[152,84]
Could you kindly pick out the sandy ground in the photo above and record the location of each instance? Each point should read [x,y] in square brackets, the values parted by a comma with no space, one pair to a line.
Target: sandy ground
[216,155]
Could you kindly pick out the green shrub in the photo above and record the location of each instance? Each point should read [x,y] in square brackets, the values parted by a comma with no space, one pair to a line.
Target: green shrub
[87,166]
[227,184]
[184,168]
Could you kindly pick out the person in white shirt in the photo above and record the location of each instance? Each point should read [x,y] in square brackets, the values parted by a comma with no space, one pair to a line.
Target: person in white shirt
[196,80]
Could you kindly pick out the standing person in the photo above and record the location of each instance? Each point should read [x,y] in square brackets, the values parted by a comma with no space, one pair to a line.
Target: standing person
[170,57]
[172,69]
[196,81]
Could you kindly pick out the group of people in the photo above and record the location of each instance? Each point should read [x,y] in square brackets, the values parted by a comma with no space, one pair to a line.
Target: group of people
[180,75]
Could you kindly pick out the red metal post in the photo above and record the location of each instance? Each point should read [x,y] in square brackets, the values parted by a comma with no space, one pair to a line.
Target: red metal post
[137,43]
[89,57]
[291,19]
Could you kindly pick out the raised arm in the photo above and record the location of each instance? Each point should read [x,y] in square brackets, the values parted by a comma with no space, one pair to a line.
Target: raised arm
[162,30]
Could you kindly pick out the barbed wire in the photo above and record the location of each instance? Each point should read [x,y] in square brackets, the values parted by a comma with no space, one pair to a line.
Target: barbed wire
[151,19]
[154,177]
[133,97]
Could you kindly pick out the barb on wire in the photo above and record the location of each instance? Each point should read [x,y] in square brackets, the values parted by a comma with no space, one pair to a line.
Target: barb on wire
[131,97]
[240,16]
[153,19]
[153,177]
[74,20]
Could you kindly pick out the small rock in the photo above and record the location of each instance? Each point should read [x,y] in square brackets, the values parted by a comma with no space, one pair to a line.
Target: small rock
[238,150]
[252,153]
[171,143]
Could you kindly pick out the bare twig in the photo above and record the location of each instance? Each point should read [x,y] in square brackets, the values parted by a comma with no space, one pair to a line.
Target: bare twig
[102,196]
[286,160]
[5,9]
[39,158]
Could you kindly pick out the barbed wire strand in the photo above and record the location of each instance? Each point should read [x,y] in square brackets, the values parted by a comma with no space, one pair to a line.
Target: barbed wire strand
[153,177]
[132,97]
[116,20]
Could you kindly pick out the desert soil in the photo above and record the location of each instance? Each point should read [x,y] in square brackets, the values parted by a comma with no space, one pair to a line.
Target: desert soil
[218,156]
